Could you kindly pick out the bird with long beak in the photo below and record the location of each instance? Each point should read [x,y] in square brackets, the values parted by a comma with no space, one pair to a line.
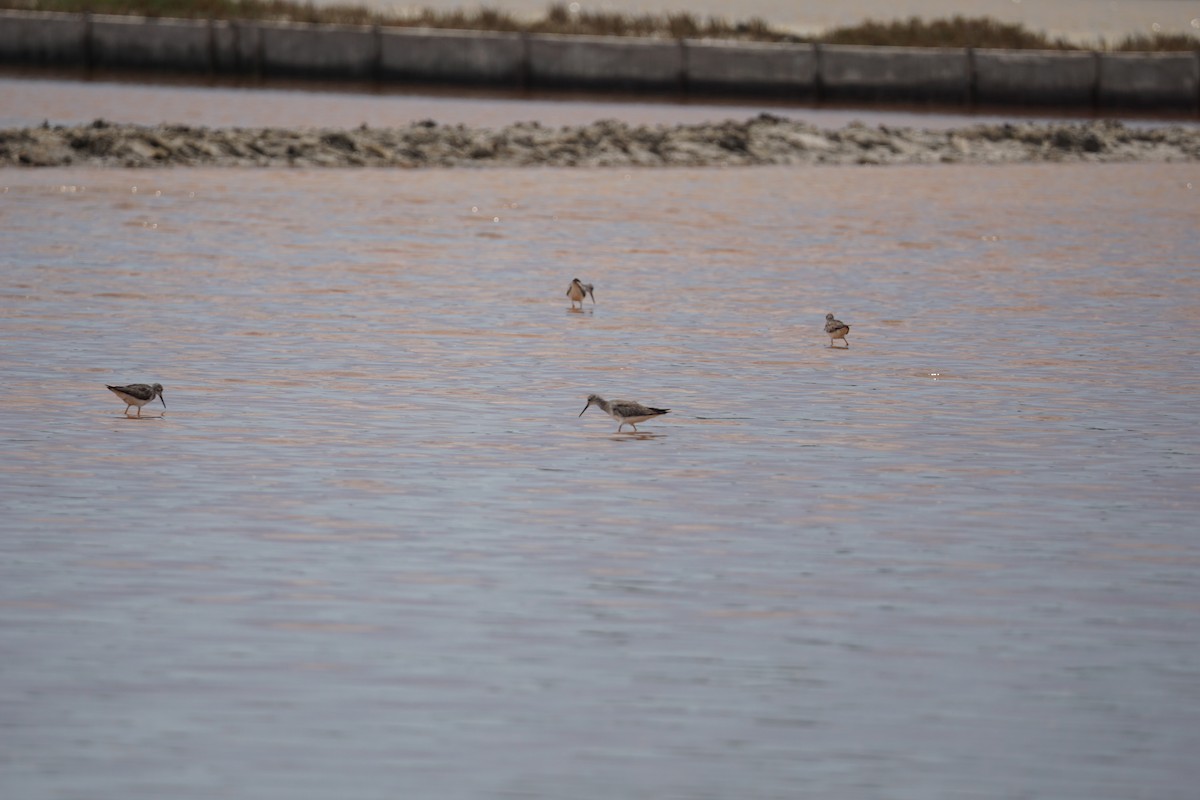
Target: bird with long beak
[836,330]
[138,394]
[577,291]
[625,412]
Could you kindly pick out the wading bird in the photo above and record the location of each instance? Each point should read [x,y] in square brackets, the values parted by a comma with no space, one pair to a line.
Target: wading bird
[625,412]
[836,330]
[577,291]
[138,394]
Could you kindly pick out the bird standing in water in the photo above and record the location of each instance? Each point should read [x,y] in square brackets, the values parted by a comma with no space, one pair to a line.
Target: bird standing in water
[836,330]
[138,394]
[625,412]
[577,291]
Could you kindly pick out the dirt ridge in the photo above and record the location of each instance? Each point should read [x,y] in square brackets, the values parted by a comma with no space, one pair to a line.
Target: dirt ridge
[762,140]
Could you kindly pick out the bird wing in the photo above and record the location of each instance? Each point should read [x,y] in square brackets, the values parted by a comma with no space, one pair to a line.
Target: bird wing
[835,325]
[628,408]
[139,390]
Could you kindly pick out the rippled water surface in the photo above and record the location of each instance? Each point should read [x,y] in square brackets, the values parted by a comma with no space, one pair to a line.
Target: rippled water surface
[370,550]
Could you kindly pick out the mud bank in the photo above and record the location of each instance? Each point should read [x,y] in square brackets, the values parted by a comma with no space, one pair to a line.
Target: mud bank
[759,141]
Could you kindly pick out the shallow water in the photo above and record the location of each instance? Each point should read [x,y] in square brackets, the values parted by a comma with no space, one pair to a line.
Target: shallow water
[32,98]
[369,548]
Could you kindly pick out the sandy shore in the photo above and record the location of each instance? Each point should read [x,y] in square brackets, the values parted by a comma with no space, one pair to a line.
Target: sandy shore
[762,140]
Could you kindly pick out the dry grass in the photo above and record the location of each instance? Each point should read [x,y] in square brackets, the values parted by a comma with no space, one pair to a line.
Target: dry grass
[955,32]
[1159,42]
[559,19]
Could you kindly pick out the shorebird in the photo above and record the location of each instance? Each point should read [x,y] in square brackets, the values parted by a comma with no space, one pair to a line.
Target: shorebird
[138,394]
[836,330]
[577,291]
[625,412]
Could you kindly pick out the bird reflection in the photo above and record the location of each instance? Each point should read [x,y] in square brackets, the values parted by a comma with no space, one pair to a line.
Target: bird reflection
[636,435]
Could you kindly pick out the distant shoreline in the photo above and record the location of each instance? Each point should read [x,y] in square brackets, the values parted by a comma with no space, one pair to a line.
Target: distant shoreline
[684,67]
[763,140]
[560,19]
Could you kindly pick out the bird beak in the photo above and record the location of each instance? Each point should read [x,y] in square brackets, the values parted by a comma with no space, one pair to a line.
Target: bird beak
[593,294]
[585,408]
[160,397]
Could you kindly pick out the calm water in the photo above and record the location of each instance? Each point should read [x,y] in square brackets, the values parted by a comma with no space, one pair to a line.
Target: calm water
[370,550]
[27,101]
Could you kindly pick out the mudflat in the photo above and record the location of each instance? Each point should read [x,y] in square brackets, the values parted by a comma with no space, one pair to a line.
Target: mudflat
[761,140]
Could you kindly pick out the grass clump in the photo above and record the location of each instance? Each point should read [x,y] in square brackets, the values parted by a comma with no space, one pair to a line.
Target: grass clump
[986,32]
[957,31]
[280,10]
[1158,42]
[675,25]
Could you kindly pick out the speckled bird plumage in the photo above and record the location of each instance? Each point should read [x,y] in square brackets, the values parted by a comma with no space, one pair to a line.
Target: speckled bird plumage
[836,330]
